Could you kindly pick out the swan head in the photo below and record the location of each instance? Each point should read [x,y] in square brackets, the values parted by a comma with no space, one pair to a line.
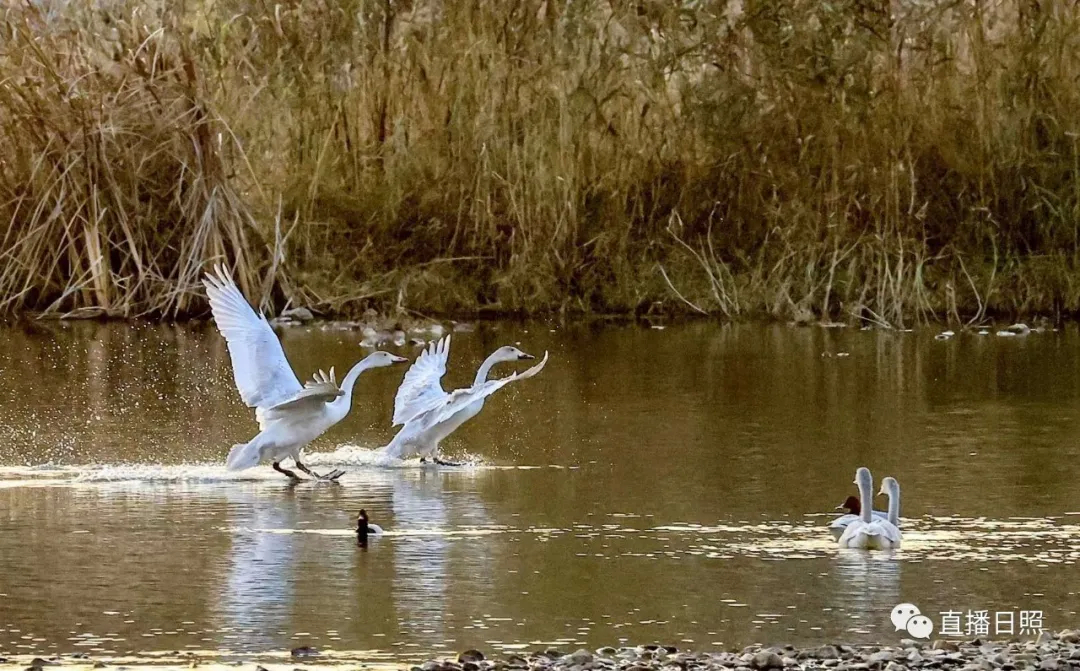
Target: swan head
[863,478]
[890,486]
[510,353]
[851,504]
[380,359]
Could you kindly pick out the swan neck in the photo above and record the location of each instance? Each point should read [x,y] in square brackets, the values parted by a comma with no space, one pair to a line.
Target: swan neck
[350,379]
[485,368]
[866,501]
[894,506]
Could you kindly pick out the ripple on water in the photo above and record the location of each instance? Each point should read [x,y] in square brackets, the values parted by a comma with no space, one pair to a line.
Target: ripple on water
[1036,540]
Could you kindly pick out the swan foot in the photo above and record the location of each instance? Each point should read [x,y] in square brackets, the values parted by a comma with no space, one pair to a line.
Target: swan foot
[443,462]
[332,475]
[292,476]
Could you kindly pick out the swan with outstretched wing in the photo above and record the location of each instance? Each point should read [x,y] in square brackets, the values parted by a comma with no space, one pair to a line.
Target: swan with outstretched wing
[290,415]
[429,414]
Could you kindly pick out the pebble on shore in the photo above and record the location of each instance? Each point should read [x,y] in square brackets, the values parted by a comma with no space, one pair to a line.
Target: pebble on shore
[1050,652]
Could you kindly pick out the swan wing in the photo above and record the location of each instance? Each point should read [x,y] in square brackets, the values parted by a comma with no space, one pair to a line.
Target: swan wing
[890,532]
[458,400]
[322,389]
[421,387]
[843,521]
[261,372]
[875,534]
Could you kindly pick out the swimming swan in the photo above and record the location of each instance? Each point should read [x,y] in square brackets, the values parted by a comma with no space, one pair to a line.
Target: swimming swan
[429,414]
[851,504]
[867,533]
[289,415]
[891,488]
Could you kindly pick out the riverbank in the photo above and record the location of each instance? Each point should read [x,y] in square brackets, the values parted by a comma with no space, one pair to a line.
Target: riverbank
[810,162]
[1047,652]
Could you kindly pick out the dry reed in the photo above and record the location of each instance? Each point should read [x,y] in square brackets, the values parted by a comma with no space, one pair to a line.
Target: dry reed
[887,162]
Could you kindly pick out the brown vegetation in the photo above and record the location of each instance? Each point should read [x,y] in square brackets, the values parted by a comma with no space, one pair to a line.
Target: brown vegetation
[769,157]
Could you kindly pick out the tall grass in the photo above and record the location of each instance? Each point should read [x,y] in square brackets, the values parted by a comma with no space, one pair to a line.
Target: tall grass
[891,162]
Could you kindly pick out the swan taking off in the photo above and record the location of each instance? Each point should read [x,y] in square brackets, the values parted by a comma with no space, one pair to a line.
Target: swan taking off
[429,414]
[290,415]
[867,533]
[854,508]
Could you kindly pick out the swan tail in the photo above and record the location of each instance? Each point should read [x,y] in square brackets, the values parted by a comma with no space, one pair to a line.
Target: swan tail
[396,448]
[242,455]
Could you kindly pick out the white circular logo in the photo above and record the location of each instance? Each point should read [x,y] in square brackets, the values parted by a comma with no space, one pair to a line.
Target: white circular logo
[920,626]
[902,613]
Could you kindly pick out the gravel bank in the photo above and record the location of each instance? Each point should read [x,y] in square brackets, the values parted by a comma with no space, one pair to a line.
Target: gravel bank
[1049,652]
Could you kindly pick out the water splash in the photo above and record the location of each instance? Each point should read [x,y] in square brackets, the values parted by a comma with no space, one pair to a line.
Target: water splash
[356,455]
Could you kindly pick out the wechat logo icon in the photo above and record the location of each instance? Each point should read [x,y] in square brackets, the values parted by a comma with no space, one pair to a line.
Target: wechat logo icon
[906,617]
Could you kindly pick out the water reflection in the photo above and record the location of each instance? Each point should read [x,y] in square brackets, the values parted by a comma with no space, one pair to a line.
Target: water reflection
[865,585]
[422,563]
[653,486]
[259,584]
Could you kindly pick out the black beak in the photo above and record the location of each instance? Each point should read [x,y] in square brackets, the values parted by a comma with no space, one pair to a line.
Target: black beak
[525,357]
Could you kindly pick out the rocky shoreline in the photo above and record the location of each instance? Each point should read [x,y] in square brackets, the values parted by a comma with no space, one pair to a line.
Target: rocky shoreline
[1049,652]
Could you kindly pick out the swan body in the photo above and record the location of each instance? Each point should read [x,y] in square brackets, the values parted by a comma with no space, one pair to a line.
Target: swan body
[837,526]
[428,414]
[290,415]
[867,533]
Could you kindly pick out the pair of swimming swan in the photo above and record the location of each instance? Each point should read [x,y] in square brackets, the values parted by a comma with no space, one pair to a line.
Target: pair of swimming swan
[291,415]
[865,528]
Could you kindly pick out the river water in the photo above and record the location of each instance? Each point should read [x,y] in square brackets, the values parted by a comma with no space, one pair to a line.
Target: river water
[650,485]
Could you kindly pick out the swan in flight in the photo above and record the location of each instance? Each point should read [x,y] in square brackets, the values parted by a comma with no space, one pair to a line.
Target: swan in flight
[867,533]
[428,414]
[290,415]
[852,505]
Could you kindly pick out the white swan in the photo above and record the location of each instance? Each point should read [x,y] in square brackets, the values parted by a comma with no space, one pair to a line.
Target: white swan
[289,415]
[891,488]
[867,533]
[852,505]
[430,414]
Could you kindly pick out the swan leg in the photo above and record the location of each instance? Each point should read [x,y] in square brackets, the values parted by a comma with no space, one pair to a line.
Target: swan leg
[279,469]
[302,467]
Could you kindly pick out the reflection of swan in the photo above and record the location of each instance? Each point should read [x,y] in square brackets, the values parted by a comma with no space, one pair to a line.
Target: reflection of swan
[258,591]
[854,508]
[271,567]
[867,533]
[429,414]
[290,416]
[423,568]
[867,586]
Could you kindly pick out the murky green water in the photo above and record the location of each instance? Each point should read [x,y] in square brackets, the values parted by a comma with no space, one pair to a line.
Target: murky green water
[649,485]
